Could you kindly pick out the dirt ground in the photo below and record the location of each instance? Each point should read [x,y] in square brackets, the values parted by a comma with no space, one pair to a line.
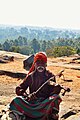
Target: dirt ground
[70,105]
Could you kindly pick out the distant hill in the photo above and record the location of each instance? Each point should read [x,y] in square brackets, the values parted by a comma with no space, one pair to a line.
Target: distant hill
[40,33]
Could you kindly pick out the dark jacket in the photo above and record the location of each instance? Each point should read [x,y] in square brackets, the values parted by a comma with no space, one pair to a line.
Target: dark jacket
[34,81]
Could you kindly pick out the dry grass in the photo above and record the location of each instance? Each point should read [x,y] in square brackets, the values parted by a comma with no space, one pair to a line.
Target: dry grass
[70,100]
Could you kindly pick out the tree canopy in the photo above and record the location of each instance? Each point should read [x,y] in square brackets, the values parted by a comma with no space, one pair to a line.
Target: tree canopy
[58,47]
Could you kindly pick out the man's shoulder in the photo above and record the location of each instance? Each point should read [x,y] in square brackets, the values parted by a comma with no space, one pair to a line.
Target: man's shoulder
[49,73]
[29,77]
[31,74]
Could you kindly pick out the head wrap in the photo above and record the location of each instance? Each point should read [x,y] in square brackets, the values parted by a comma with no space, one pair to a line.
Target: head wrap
[39,56]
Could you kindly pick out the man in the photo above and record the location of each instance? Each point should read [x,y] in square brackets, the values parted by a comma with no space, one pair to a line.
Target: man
[41,105]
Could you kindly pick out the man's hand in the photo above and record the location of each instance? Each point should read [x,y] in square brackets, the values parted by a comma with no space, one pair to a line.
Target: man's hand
[32,96]
[51,83]
[56,89]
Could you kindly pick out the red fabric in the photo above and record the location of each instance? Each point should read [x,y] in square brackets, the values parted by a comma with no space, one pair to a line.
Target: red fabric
[39,56]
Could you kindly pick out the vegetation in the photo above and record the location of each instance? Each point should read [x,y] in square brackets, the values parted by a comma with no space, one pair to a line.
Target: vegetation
[29,40]
[56,48]
[39,33]
[61,51]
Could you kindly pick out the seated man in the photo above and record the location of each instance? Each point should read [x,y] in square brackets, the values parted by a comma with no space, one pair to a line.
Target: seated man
[41,104]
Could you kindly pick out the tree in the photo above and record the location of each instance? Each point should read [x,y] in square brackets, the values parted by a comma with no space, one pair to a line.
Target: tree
[16,43]
[20,40]
[35,45]
[15,49]
[25,41]
[61,51]
[6,45]
[78,51]
[49,44]
[26,50]
[1,47]
[44,46]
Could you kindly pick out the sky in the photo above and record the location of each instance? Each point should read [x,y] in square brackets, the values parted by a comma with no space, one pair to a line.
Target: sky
[41,13]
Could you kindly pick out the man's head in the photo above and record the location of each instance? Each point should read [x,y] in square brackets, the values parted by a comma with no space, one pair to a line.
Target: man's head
[40,61]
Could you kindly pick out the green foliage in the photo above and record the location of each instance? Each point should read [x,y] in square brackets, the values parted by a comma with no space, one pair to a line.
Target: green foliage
[35,45]
[58,47]
[1,47]
[6,45]
[78,51]
[26,50]
[14,49]
[61,51]
[39,33]
[77,46]
[44,45]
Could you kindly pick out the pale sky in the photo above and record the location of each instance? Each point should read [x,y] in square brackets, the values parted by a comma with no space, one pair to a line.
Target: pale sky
[42,13]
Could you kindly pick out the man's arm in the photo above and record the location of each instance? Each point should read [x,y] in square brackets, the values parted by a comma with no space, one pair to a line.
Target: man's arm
[21,89]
